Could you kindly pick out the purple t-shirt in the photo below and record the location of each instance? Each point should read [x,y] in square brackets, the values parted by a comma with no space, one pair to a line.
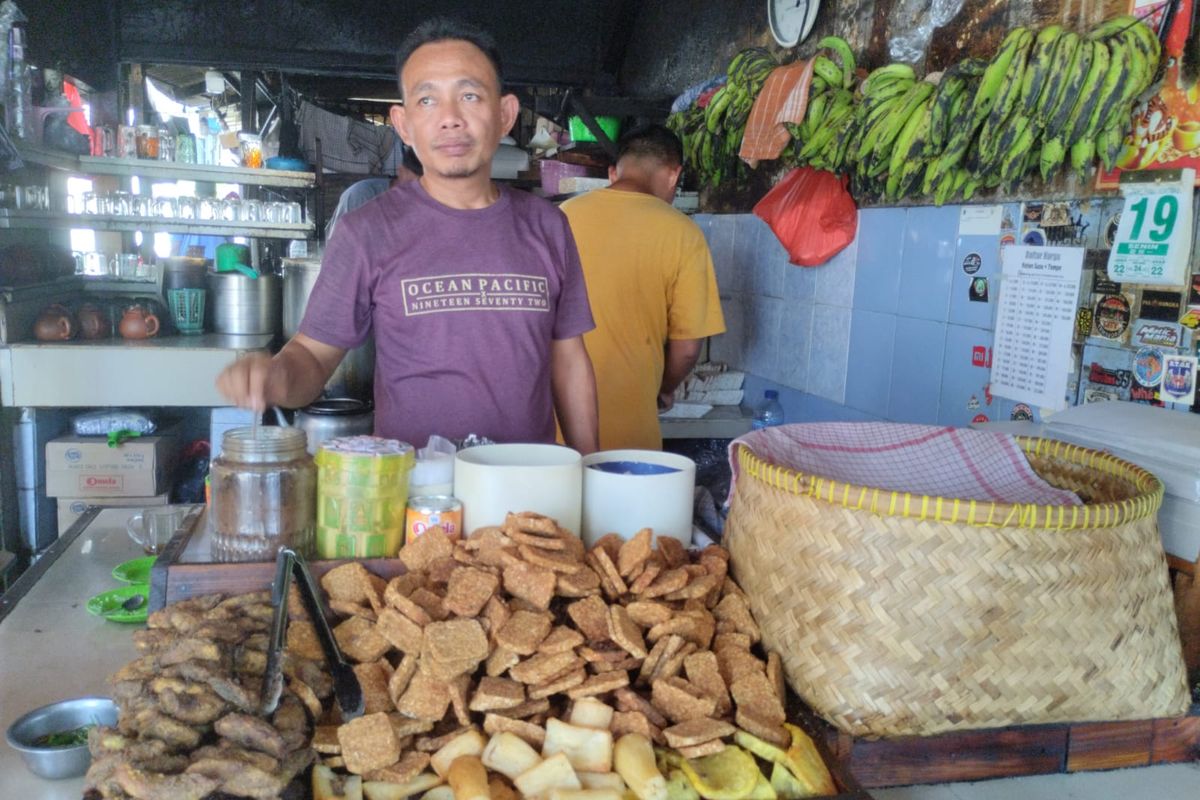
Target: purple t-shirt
[464,305]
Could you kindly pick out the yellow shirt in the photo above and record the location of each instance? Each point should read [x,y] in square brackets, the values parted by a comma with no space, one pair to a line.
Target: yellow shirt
[649,279]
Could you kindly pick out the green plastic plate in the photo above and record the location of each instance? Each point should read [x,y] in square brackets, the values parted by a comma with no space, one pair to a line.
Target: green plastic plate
[108,604]
[135,571]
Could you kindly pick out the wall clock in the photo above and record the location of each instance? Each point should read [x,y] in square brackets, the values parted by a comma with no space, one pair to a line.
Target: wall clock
[791,20]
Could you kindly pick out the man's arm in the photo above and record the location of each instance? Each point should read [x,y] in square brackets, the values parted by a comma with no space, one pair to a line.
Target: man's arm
[293,378]
[574,386]
[681,356]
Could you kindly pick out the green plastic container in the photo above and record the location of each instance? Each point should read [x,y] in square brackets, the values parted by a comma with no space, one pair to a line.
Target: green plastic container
[361,501]
[580,133]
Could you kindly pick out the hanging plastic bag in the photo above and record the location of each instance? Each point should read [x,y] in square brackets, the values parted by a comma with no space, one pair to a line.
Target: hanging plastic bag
[812,215]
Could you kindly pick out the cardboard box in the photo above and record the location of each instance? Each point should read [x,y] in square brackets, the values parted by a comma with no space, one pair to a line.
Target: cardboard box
[85,466]
[71,508]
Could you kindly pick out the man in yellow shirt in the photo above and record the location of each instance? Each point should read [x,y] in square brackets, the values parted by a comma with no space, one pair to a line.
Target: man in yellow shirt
[651,285]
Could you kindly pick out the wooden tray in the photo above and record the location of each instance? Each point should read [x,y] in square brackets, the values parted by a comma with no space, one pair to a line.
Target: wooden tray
[1009,752]
[172,580]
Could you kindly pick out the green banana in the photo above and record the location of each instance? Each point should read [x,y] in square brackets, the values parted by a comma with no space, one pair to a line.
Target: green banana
[1040,57]
[814,115]
[1111,27]
[1089,95]
[829,71]
[845,55]
[915,129]
[992,82]
[827,132]
[1077,74]
[1111,89]
[1057,78]
[887,73]
[1051,156]
[950,87]
[1012,162]
[817,86]
[716,108]
[1010,91]
[897,120]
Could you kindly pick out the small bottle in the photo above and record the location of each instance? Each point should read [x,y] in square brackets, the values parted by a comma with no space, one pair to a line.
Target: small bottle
[769,412]
[19,108]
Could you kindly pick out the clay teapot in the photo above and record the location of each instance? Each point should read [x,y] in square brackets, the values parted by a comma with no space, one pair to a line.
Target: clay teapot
[94,322]
[138,323]
[55,324]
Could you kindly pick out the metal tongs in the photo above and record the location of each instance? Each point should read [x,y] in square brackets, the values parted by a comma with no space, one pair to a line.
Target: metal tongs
[346,688]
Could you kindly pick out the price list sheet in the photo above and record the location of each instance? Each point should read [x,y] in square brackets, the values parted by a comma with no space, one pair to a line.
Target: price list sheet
[1039,294]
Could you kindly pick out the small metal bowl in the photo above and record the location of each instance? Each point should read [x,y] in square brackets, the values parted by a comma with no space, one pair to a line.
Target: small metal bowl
[65,715]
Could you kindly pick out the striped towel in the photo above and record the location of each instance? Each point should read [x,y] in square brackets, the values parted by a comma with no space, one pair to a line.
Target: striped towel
[920,459]
[784,98]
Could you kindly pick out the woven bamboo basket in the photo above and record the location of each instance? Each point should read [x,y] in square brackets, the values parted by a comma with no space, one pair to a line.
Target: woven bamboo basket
[899,614]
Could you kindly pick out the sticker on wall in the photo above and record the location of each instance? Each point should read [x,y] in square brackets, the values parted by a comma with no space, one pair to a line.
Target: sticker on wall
[1148,366]
[1179,379]
[1160,305]
[1104,376]
[1110,230]
[1031,213]
[979,290]
[1021,413]
[1007,239]
[980,418]
[971,263]
[1083,322]
[1099,396]
[1101,283]
[1063,224]
[1034,237]
[981,356]
[1111,317]
[1191,318]
[1194,291]
[1154,333]
[980,220]
[973,403]
[1147,395]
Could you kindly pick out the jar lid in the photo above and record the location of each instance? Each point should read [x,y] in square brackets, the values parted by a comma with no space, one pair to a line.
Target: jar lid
[339,407]
[368,446]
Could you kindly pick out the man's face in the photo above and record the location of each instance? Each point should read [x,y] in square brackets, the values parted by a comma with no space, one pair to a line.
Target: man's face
[453,114]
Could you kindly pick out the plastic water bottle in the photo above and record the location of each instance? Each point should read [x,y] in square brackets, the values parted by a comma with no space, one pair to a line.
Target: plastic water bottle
[769,412]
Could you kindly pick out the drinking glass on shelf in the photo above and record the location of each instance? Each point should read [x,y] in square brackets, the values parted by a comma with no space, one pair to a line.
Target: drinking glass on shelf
[91,202]
[90,263]
[188,207]
[104,204]
[124,265]
[250,211]
[122,204]
[210,208]
[274,212]
[140,205]
[230,210]
[166,207]
[293,213]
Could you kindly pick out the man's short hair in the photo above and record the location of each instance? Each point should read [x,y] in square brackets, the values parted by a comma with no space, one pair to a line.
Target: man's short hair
[446,29]
[656,142]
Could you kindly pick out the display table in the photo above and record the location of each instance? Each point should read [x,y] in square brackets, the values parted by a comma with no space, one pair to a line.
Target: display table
[51,648]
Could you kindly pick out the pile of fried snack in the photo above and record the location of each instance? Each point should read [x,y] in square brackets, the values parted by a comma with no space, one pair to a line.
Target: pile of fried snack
[513,664]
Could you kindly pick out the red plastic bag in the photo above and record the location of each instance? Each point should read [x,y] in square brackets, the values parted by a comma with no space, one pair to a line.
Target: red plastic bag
[812,215]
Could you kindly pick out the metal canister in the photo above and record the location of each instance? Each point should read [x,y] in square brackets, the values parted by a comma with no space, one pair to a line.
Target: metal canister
[429,510]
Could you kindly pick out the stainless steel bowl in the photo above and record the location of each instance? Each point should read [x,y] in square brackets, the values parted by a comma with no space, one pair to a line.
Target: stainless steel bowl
[66,715]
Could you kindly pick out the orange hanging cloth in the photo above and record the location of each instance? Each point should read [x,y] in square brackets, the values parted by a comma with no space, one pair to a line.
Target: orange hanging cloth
[783,98]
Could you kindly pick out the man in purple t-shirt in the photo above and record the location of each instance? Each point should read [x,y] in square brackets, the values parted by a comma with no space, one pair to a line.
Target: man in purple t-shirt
[474,292]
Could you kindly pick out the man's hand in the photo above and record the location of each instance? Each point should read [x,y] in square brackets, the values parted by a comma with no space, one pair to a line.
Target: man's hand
[253,382]
[666,400]
[293,378]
